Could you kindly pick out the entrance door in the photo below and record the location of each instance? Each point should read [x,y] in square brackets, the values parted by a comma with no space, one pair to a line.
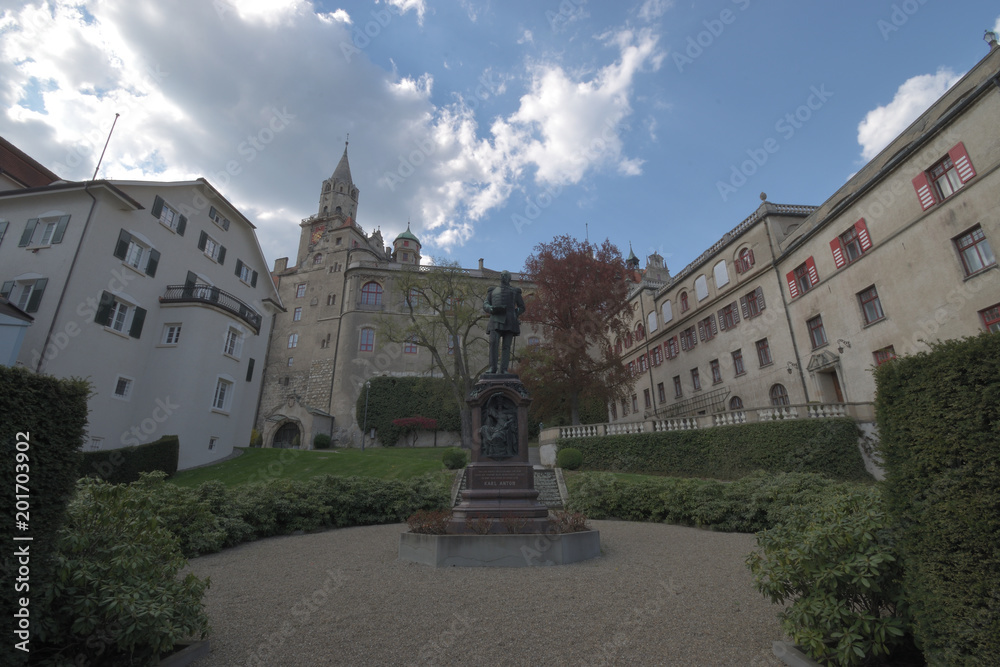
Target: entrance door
[829,387]
[287,437]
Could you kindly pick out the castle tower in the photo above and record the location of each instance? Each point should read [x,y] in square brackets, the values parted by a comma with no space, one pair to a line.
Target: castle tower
[406,248]
[338,196]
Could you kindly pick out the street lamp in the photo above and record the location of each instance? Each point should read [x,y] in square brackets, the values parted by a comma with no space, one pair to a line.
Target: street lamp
[364,434]
[990,38]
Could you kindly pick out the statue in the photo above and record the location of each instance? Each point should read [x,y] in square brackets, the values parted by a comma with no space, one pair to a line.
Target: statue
[505,305]
[499,430]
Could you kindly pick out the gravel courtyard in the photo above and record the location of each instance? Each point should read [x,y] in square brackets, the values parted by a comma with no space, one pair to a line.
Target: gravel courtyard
[658,595]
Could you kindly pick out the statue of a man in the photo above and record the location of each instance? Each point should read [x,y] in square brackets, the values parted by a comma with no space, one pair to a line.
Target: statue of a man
[505,305]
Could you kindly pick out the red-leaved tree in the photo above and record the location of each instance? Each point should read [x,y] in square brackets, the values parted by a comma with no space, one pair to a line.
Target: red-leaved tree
[413,424]
[580,303]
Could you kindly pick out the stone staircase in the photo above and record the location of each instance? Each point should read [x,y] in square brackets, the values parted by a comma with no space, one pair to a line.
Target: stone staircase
[545,482]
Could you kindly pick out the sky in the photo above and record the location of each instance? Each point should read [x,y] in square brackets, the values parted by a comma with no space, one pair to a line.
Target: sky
[489,127]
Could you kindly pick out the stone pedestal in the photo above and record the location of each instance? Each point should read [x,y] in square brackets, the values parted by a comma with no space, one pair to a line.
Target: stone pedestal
[500,482]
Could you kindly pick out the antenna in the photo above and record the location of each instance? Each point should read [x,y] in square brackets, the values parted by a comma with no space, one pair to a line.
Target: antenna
[586,227]
[101,159]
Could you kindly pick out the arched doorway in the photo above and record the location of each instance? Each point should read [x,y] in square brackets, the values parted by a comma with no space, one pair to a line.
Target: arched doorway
[287,436]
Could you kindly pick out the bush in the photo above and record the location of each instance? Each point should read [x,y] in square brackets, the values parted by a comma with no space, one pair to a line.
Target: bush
[256,439]
[321,441]
[125,465]
[454,459]
[116,596]
[835,565]
[181,511]
[429,522]
[396,397]
[824,446]
[939,422]
[569,458]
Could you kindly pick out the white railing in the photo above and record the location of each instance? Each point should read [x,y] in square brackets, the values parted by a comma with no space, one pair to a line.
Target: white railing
[778,413]
[584,431]
[675,424]
[729,418]
[624,428]
[827,410]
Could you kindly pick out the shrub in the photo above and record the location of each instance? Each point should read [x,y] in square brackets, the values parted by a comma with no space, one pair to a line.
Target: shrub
[321,441]
[824,446]
[182,512]
[836,566]
[125,465]
[430,522]
[454,459]
[569,522]
[569,458]
[256,439]
[939,422]
[392,398]
[116,596]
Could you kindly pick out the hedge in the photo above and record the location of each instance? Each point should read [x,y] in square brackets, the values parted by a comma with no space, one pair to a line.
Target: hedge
[939,422]
[123,466]
[395,397]
[824,446]
[50,415]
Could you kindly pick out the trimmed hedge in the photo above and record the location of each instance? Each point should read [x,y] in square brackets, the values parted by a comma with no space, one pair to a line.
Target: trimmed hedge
[939,422]
[824,446]
[53,415]
[395,397]
[123,466]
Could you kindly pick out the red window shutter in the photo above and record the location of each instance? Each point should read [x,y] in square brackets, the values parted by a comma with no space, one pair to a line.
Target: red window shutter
[701,331]
[759,292]
[715,329]
[863,238]
[813,273]
[722,318]
[736,313]
[746,309]
[749,258]
[838,252]
[963,165]
[793,288]
[924,192]
[739,265]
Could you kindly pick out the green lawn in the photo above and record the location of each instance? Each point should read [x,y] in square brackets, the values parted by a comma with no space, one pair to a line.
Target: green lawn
[262,464]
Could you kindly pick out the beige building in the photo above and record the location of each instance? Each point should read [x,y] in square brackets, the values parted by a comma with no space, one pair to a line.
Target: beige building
[157,293]
[788,313]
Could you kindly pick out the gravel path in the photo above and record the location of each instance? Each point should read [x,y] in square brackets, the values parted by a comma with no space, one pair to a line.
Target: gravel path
[659,595]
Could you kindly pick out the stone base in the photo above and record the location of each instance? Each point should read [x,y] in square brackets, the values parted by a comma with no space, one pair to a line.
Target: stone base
[499,550]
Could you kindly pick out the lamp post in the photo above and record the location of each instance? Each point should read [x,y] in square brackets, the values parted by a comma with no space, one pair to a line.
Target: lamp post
[364,434]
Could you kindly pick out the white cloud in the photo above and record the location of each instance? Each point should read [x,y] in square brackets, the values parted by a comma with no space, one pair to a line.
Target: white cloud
[883,124]
[339,15]
[526,37]
[654,9]
[403,6]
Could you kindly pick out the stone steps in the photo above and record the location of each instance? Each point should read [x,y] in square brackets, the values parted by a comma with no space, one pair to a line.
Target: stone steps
[545,483]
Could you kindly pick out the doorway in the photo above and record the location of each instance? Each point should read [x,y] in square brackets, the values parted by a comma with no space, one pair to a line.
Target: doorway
[286,437]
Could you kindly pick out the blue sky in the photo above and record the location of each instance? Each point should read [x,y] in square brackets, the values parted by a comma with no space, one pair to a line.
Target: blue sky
[490,126]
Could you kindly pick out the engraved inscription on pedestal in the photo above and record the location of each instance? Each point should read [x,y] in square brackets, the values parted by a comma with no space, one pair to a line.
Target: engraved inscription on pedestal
[498,478]
[498,433]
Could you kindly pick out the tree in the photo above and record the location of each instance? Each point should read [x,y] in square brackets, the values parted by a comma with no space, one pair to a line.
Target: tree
[581,303]
[442,312]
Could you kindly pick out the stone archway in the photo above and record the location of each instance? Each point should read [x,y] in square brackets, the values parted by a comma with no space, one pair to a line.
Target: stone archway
[288,436]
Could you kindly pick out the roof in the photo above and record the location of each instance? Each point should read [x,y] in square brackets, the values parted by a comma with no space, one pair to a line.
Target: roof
[343,170]
[10,310]
[407,235]
[21,167]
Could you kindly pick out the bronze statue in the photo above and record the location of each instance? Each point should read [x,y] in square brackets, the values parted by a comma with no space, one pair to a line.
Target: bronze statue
[505,305]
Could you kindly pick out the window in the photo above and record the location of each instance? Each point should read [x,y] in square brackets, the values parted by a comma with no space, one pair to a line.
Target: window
[300,290]
[701,287]
[367,340]
[707,329]
[25,294]
[338,240]
[778,395]
[991,318]
[43,231]
[123,387]
[371,294]
[628,339]
[729,317]
[642,364]
[661,392]
[3,229]
[614,411]
[534,340]
[331,299]
[624,408]
[291,360]
[136,253]
[688,339]
[738,362]
[678,391]
[944,178]
[884,355]
[671,348]
[763,352]
[668,313]
[975,250]
[246,274]
[223,395]
[212,442]
[168,217]
[684,302]
[716,371]
[695,379]
[410,345]
[640,332]
[635,403]
[752,303]
[651,322]
[318,258]
[744,261]
[293,340]
[212,248]
[119,315]
[803,278]
[171,334]
[631,368]
[656,356]
[297,314]
[233,346]
[817,335]
[618,346]
[217,218]
[851,244]
[735,403]
[721,274]
[647,399]
[871,307]
[250,370]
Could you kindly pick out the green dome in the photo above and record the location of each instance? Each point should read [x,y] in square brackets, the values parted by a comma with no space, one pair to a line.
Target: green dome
[407,236]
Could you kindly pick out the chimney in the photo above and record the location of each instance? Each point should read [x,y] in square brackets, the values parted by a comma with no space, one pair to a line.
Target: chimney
[280,264]
[480,263]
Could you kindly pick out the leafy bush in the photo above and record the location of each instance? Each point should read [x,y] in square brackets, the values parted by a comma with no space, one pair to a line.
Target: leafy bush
[454,459]
[256,439]
[321,441]
[429,522]
[939,422]
[824,446]
[835,564]
[569,458]
[398,397]
[125,465]
[183,513]
[569,522]
[116,597]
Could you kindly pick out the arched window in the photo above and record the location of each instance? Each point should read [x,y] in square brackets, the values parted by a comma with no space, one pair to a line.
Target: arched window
[338,210]
[628,339]
[533,340]
[326,209]
[684,302]
[640,332]
[651,322]
[668,312]
[721,274]
[618,346]
[371,294]
[744,261]
[326,188]
[318,258]
[735,403]
[778,395]
[367,340]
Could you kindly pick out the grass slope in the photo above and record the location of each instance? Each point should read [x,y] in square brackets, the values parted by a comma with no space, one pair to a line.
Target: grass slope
[256,465]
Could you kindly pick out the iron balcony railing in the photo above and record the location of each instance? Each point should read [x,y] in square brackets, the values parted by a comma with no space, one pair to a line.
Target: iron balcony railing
[213,296]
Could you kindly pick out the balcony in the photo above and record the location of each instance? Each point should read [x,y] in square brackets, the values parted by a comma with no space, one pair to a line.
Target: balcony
[213,296]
